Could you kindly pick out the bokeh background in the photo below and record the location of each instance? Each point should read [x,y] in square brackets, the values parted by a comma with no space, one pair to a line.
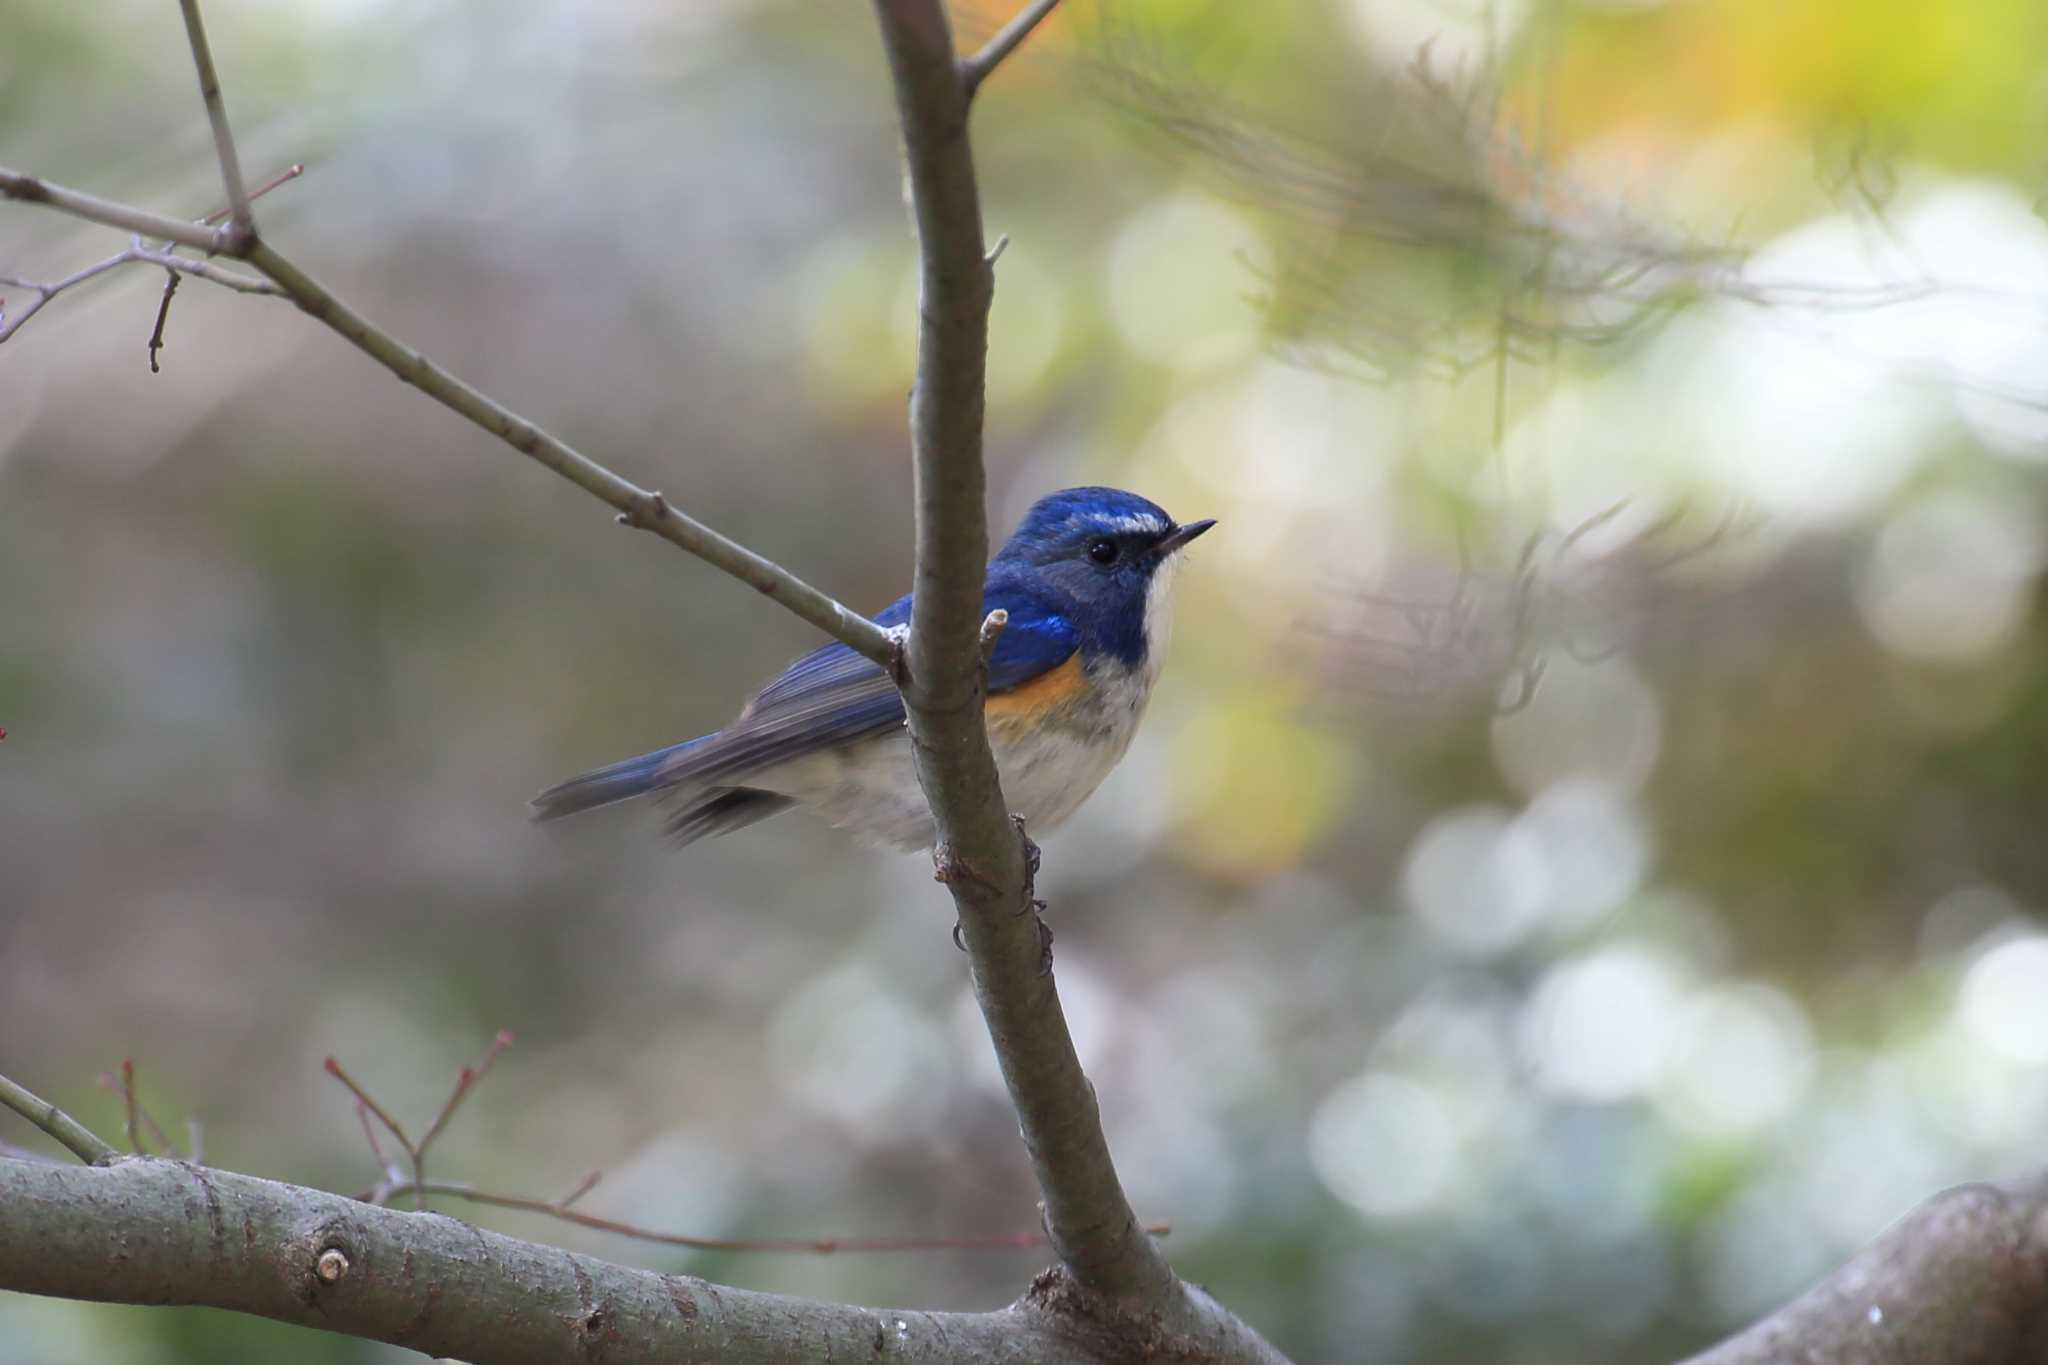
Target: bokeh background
[1583,872]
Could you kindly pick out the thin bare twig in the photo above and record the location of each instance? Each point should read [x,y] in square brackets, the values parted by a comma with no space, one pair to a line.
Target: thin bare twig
[81,1140]
[638,507]
[163,315]
[138,1117]
[465,1081]
[128,1102]
[29,189]
[241,221]
[583,1187]
[363,1099]
[415,1152]
[974,70]
[138,253]
[289,173]
[819,1246]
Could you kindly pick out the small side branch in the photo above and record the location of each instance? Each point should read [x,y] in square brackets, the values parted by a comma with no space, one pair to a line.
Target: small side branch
[81,1141]
[640,507]
[241,221]
[974,70]
[29,189]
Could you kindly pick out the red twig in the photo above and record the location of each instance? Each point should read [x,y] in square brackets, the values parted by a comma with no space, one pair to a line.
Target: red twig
[291,172]
[416,1152]
[819,1246]
[583,1187]
[465,1081]
[363,1099]
[138,1118]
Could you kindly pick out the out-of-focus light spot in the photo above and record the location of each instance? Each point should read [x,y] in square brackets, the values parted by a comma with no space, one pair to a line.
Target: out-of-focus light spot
[1600,1027]
[1599,720]
[1317,506]
[1259,786]
[1950,577]
[2003,1003]
[1384,1145]
[1866,1152]
[1989,244]
[1176,286]
[1742,1061]
[1962,918]
[1477,878]
[847,1047]
[1393,32]
[1594,844]
[1176,1157]
[1454,1039]
[859,336]
[1978,1098]
[1217,1048]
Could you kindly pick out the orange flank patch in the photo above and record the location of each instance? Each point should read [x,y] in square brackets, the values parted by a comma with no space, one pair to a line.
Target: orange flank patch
[1034,702]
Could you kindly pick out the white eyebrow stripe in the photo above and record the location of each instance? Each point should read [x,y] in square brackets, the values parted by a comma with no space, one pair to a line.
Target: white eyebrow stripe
[1134,524]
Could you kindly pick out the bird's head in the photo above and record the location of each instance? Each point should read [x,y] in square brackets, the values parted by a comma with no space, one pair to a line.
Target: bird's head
[1111,555]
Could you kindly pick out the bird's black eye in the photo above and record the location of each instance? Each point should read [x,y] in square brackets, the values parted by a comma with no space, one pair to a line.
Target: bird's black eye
[1103,550]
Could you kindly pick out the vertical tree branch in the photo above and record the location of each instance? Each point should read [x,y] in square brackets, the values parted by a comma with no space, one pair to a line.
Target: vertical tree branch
[980,854]
[241,219]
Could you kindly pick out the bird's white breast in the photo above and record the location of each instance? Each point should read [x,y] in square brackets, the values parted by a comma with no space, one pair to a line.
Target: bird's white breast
[1049,764]
[1048,768]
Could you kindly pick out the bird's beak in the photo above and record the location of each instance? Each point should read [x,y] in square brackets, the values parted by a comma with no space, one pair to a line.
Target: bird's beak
[1181,535]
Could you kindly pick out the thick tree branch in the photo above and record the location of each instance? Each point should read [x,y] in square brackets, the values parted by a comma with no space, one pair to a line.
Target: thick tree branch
[149,1231]
[1964,1277]
[980,854]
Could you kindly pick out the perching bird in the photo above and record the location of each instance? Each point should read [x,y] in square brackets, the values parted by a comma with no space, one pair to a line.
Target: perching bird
[1086,581]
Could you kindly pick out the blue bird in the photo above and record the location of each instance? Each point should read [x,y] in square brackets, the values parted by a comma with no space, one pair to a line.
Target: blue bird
[1086,581]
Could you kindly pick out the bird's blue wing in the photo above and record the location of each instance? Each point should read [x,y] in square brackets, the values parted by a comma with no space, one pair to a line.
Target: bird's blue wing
[1036,640]
[833,696]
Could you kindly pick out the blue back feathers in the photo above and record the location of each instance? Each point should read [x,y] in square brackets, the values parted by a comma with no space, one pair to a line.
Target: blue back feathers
[1074,576]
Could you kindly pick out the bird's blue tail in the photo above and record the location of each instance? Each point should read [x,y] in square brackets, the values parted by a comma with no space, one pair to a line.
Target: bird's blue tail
[615,782]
